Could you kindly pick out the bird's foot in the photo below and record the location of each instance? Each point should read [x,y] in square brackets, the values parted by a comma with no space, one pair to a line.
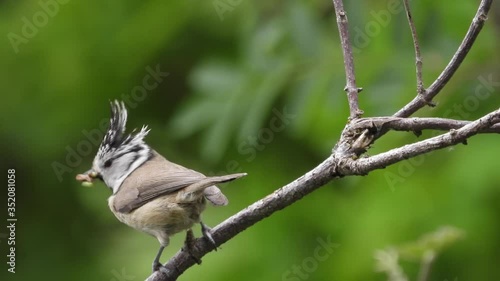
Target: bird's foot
[189,246]
[205,230]
[156,262]
[157,266]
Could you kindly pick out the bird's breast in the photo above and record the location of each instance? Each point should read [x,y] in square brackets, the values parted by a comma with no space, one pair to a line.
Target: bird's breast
[161,216]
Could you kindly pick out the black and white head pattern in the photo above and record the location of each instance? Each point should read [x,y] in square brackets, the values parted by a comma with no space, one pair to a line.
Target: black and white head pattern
[120,155]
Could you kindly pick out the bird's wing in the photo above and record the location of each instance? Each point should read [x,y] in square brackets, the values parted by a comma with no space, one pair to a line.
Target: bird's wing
[158,177]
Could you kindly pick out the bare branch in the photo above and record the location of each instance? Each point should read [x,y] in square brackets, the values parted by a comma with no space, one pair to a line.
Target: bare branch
[351,88]
[462,51]
[382,160]
[418,56]
[416,124]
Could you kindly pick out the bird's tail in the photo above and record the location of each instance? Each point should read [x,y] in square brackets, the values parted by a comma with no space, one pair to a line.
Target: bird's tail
[210,191]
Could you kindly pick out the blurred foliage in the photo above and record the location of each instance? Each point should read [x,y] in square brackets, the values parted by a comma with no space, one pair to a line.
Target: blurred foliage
[435,242]
[423,250]
[233,68]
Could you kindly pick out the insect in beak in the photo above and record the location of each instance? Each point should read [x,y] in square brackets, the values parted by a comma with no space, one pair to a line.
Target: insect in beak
[88,177]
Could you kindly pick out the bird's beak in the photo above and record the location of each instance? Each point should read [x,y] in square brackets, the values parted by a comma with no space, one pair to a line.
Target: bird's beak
[88,176]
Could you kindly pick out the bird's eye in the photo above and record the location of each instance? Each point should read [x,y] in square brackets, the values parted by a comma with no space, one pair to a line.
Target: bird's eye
[108,163]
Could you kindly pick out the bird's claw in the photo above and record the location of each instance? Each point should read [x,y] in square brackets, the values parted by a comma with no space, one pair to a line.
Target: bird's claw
[189,246]
[156,266]
[205,230]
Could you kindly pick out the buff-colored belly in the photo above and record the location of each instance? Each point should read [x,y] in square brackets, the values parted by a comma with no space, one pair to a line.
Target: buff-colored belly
[161,217]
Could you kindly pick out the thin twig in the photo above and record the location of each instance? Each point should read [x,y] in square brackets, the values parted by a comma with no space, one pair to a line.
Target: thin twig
[418,56]
[351,88]
[445,76]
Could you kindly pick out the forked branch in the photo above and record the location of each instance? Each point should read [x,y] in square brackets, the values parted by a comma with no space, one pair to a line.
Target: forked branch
[457,59]
[382,160]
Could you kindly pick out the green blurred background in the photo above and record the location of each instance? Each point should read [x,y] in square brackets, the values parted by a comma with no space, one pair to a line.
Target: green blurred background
[232,65]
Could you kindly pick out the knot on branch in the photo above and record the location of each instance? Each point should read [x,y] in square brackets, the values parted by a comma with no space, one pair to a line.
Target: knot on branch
[482,17]
[422,95]
[356,138]
[358,90]
[346,166]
